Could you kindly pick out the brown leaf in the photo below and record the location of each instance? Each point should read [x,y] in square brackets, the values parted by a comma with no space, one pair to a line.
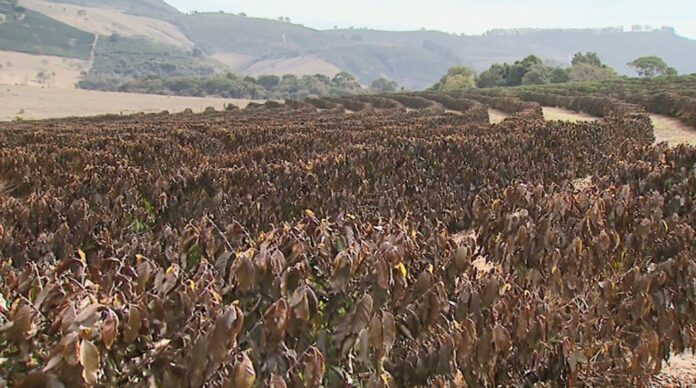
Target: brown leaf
[20,324]
[342,271]
[224,335]
[299,303]
[388,332]
[276,321]
[89,359]
[109,328]
[43,295]
[70,345]
[245,273]
[144,270]
[364,347]
[375,332]
[132,329]
[40,380]
[67,317]
[353,324]
[199,362]
[277,382]
[88,316]
[243,374]
[501,339]
[314,368]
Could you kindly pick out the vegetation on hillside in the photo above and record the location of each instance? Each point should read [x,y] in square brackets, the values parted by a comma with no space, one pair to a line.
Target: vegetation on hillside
[533,71]
[264,87]
[31,32]
[120,59]
[585,67]
[157,9]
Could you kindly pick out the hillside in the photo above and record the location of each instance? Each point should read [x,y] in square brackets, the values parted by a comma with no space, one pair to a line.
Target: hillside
[414,59]
[107,21]
[157,9]
[31,32]
[417,59]
[118,59]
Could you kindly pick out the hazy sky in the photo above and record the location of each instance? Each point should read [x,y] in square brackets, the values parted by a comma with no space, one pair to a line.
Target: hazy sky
[467,16]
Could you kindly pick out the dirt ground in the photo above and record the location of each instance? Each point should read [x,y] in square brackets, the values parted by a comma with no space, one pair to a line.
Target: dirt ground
[33,103]
[497,116]
[672,131]
[550,113]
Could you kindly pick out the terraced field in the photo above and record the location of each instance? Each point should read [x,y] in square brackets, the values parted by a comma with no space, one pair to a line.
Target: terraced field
[397,240]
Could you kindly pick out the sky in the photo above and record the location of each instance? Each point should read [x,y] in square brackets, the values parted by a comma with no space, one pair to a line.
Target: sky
[463,16]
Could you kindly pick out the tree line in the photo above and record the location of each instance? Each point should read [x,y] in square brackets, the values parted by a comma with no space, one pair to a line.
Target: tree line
[532,70]
[231,85]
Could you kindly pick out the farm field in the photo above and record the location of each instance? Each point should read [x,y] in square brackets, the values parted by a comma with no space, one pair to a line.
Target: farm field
[33,103]
[299,245]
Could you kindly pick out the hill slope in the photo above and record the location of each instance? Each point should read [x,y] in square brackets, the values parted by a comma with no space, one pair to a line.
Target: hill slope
[415,59]
[27,31]
[157,9]
[107,21]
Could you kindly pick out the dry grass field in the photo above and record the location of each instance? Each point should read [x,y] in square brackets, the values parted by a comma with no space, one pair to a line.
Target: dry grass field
[31,103]
[39,70]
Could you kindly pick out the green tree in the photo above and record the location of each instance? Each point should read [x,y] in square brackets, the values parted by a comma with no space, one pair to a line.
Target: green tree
[584,72]
[671,71]
[588,58]
[457,78]
[537,75]
[268,82]
[384,85]
[520,68]
[494,76]
[651,66]
[345,80]
[559,75]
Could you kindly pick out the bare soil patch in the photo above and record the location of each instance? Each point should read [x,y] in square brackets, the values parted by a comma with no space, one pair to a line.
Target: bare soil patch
[672,131]
[497,116]
[553,113]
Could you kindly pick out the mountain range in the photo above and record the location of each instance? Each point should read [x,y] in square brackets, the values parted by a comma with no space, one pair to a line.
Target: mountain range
[415,59]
